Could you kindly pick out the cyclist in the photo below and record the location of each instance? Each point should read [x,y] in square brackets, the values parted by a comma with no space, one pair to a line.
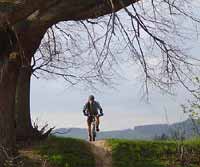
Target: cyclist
[91,109]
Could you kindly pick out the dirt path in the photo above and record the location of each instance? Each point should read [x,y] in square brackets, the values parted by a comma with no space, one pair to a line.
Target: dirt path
[102,153]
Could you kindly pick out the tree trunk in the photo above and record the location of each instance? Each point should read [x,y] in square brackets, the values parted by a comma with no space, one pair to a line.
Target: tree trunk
[8,81]
[14,52]
[30,39]
[25,132]
[22,105]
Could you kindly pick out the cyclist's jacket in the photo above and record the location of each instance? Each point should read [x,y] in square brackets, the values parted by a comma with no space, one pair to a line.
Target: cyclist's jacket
[92,109]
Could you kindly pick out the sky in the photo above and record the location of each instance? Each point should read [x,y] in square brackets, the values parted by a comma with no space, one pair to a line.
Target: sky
[54,102]
[57,104]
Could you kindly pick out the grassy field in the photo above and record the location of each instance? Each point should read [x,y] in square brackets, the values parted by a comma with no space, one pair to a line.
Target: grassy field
[59,152]
[126,153]
[67,152]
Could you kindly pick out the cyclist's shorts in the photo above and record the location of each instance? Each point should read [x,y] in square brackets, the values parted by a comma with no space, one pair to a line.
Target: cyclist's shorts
[90,119]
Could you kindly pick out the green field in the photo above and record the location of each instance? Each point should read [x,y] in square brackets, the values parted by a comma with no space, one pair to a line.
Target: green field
[67,152]
[127,153]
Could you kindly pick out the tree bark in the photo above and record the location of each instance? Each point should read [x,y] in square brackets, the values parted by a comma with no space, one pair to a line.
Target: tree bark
[15,11]
[9,68]
[15,53]
[22,105]
[8,81]
[30,37]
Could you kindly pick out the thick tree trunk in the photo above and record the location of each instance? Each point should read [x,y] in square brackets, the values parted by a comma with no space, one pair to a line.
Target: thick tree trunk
[11,46]
[22,105]
[25,132]
[9,68]
[30,38]
[8,81]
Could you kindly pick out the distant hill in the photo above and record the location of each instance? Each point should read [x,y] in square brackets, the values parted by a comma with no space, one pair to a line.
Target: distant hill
[185,128]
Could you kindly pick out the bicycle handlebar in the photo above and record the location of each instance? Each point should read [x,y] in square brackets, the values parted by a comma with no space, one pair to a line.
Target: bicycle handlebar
[100,115]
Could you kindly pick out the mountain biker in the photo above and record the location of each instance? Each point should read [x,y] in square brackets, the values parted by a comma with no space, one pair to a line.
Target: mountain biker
[91,109]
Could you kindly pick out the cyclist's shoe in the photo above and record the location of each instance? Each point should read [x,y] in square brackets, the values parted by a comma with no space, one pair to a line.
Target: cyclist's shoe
[90,138]
[97,129]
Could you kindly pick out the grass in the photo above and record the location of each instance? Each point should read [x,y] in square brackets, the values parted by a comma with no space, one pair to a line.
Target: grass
[66,152]
[69,152]
[127,153]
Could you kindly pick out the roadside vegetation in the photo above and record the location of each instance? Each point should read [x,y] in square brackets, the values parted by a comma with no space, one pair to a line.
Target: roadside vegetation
[127,153]
[67,152]
[70,152]
[60,152]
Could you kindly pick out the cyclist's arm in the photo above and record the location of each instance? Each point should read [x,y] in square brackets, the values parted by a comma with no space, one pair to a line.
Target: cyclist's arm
[100,108]
[84,109]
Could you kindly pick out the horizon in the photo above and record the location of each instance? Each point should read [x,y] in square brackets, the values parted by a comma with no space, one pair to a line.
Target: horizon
[123,129]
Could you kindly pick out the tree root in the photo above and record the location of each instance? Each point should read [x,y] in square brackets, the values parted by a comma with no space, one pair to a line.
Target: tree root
[35,134]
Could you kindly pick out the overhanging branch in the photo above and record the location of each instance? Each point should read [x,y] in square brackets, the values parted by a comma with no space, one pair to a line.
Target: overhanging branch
[14,11]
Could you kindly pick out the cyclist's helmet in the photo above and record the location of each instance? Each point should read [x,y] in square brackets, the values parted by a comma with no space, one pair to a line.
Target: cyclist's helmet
[91,97]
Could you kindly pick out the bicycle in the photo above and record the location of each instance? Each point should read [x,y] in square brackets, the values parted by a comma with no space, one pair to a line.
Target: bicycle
[93,126]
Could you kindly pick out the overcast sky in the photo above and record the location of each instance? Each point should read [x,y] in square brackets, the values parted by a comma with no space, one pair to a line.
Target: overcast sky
[53,101]
[61,106]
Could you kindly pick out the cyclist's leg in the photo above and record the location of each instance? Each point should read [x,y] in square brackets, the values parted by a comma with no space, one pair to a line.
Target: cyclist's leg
[97,122]
[89,122]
